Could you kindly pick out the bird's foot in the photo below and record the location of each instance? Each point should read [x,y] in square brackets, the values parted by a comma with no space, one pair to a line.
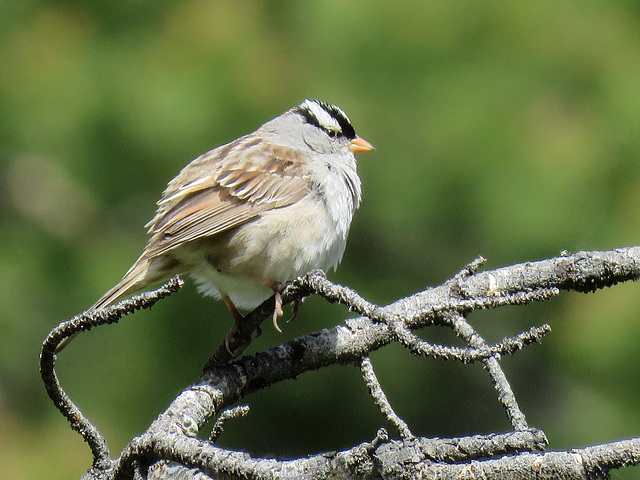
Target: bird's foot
[277,310]
[294,310]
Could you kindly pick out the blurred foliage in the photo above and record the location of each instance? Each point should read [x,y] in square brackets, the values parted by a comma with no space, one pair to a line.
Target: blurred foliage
[507,129]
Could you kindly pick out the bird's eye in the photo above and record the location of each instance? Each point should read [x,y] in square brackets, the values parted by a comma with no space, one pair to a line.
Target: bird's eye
[332,133]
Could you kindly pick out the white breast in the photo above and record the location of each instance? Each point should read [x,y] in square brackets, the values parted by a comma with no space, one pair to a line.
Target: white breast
[288,242]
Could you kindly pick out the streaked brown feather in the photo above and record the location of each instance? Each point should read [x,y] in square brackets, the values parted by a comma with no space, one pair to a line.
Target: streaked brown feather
[253,178]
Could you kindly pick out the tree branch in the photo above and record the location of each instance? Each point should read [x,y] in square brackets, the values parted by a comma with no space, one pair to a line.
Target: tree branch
[172,436]
[67,330]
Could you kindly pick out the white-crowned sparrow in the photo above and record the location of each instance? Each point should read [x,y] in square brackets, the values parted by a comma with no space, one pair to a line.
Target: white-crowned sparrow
[249,216]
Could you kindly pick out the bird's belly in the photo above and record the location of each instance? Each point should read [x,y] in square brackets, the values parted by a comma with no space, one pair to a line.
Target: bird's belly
[276,247]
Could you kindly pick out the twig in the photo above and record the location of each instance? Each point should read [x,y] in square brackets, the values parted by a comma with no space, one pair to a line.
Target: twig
[498,378]
[218,427]
[469,269]
[381,400]
[508,345]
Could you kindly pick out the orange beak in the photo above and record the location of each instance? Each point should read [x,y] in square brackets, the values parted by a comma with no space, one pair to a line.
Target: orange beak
[360,145]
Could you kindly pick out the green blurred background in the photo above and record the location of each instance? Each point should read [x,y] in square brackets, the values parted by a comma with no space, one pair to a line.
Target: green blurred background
[504,129]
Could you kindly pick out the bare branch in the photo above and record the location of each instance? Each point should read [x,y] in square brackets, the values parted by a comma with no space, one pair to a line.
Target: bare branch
[85,321]
[499,379]
[235,412]
[380,399]
[172,436]
[374,459]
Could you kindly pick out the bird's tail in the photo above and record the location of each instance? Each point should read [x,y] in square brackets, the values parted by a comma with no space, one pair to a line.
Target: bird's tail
[136,278]
[133,281]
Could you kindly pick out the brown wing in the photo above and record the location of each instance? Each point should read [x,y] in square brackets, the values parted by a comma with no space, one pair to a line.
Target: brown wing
[224,188]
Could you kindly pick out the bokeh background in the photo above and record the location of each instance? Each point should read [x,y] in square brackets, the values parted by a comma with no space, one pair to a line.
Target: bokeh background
[504,129]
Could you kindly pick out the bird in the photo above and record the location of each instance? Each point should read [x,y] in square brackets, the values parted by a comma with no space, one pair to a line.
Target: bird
[246,218]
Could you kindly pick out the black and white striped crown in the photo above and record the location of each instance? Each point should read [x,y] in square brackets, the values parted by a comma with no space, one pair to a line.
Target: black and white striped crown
[327,117]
